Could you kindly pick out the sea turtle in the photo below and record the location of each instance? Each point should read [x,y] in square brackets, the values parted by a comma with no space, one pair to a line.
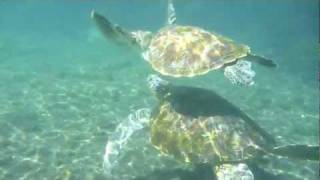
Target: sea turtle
[198,126]
[186,51]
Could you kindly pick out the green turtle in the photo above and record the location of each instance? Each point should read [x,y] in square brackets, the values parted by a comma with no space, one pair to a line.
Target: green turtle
[186,51]
[198,126]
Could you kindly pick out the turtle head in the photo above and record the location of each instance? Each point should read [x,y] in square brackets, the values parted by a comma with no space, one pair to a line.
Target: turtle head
[143,38]
[159,86]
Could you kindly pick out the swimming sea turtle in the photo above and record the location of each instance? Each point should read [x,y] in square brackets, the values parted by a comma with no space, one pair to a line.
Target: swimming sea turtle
[186,51]
[198,126]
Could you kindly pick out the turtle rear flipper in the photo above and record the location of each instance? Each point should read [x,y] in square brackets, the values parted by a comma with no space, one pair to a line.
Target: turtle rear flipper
[112,31]
[304,152]
[261,60]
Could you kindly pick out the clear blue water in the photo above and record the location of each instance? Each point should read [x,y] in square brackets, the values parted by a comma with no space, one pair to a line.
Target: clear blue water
[64,88]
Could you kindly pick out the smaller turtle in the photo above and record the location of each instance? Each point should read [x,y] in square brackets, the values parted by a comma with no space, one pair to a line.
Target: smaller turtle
[198,126]
[186,51]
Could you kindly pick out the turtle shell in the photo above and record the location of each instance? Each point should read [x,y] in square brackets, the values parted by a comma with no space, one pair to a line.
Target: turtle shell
[186,51]
[203,139]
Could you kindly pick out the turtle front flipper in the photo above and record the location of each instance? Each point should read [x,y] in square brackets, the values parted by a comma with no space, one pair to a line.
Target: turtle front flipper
[304,152]
[171,19]
[261,60]
[112,31]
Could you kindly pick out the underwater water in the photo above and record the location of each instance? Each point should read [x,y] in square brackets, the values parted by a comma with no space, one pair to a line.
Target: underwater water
[64,88]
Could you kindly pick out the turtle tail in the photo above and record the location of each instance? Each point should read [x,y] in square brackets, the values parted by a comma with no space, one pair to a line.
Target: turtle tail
[304,152]
[262,60]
